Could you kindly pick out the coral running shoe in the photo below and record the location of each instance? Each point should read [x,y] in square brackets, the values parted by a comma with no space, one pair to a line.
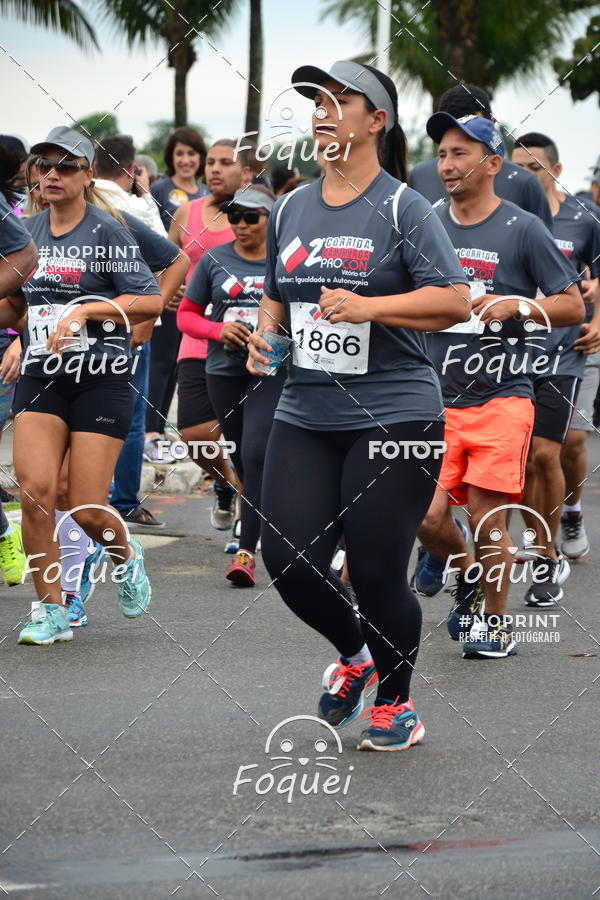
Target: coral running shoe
[241,570]
[394,726]
[344,689]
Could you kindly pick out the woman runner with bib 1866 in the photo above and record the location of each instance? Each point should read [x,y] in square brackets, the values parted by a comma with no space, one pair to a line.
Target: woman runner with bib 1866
[358,269]
[74,393]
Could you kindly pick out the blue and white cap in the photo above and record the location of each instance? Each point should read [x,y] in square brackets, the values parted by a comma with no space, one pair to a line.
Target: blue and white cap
[475,127]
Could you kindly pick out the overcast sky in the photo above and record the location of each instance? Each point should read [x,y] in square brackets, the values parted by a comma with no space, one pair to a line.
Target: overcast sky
[138,86]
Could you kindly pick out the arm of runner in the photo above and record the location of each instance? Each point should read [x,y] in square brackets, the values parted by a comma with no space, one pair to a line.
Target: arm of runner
[192,321]
[16,267]
[137,308]
[171,278]
[11,362]
[589,341]
[564,308]
[271,315]
[429,308]
[12,310]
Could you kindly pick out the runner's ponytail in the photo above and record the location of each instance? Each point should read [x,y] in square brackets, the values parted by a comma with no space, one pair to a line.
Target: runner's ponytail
[392,147]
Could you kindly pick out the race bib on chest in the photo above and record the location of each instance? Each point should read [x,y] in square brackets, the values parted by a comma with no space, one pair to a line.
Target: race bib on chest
[41,323]
[342,348]
[247,315]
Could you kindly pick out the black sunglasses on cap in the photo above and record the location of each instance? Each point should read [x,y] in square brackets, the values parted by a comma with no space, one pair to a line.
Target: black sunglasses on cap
[250,216]
[66,166]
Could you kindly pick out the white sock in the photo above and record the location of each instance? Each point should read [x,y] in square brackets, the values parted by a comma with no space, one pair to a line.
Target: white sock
[8,531]
[575,508]
[74,550]
[361,658]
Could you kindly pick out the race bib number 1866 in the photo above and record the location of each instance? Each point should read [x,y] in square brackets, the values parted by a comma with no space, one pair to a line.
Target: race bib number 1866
[341,348]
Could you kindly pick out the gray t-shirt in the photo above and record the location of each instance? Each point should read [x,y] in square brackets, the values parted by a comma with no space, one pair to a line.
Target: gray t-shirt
[510,253]
[157,252]
[169,197]
[99,257]
[577,235]
[512,183]
[13,237]
[356,376]
[233,287]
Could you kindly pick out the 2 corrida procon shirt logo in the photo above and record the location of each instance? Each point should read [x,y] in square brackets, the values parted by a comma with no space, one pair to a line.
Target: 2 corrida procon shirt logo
[352,254]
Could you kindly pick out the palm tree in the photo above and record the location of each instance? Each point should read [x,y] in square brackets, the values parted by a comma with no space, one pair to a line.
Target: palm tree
[255,68]
[178,24]
[59,15]
[484,42]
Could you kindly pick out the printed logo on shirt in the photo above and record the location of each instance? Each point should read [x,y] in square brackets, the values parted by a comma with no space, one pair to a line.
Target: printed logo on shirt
[250,284]
[59,269]
[479,265]
[565,247]
[343,251]
[293,255]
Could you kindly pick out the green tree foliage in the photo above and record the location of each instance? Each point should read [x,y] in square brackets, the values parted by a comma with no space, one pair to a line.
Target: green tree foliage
[582,71]
[63,16]
[98,125]
[485,42]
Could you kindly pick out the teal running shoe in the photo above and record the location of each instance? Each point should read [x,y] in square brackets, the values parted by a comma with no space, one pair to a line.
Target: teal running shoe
[48,623]
[95,559]
[394,726]
[134,586]
[75,610]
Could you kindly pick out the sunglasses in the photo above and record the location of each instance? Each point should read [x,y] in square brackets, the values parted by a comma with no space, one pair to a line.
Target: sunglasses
[250,216]
[64,166]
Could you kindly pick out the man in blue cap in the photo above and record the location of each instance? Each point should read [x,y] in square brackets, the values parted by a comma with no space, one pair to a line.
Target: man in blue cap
[484,367]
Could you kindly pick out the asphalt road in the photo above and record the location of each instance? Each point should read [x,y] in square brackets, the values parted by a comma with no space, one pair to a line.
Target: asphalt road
[121,750]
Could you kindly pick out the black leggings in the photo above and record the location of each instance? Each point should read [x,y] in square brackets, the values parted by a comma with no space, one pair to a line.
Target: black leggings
[245,406]
[318,485]
[164,345]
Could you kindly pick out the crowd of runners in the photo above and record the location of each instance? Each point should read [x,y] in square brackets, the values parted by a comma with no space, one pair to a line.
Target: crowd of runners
[353,355]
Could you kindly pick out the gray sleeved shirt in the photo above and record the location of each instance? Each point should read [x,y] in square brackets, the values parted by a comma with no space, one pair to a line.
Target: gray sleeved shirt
[356,376]
[98,259]
[512,183]
[509,253]
[233,287]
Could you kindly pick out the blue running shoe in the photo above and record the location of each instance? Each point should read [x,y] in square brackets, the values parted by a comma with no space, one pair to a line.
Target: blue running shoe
[344,688]
[48,623]
[466,608]
[394,726]
[87,587]
[75,611]
[428,578]
[490,642]
[134,588]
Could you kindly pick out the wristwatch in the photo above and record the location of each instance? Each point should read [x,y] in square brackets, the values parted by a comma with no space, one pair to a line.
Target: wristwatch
[523,311]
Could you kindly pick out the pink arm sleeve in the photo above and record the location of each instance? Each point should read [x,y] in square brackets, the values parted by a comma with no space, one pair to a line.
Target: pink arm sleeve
[191,321]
